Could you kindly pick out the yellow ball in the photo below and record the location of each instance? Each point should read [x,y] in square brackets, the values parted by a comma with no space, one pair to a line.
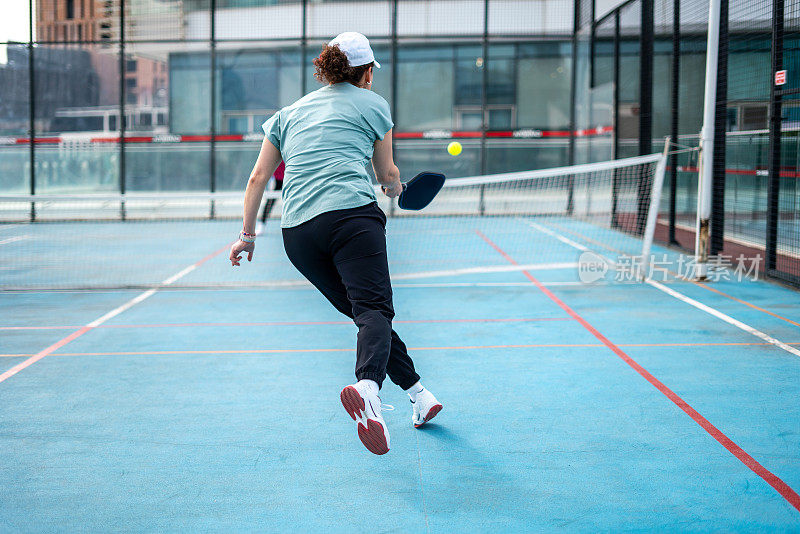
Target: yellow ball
[454,148]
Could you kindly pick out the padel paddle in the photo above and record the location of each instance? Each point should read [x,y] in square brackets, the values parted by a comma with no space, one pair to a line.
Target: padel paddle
[419,191]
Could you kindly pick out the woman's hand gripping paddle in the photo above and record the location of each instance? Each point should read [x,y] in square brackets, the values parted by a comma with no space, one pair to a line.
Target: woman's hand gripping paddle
[420,190]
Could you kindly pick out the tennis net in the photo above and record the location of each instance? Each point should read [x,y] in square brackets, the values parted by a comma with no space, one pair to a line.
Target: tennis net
[478,229]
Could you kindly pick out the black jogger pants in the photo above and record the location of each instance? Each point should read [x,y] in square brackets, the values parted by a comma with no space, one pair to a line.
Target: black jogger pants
[343,253]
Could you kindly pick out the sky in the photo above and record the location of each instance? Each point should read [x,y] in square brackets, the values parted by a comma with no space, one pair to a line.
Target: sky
[13,23]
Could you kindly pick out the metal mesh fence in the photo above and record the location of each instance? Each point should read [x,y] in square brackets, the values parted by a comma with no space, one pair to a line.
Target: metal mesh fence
[755,179]
[148,95]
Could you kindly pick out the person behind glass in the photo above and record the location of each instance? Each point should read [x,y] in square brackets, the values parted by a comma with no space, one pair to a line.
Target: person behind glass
[277,186]
[333,230]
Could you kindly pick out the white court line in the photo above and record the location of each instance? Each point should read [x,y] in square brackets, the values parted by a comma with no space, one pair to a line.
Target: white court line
[727,318]
[558,236]
[103,318]
[487,269]
[683,298]
[14,239]
[498,284]
[9,226]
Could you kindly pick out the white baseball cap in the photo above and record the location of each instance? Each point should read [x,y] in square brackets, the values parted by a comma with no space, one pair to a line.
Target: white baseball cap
[356,47]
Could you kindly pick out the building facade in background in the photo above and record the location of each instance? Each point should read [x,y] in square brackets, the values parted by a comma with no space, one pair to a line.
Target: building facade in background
[170,95]
[496,74]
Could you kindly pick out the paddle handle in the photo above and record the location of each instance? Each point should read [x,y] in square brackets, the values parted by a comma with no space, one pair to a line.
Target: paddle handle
[384,189]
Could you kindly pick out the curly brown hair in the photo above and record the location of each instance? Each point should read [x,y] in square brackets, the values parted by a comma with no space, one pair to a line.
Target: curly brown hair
[332,67]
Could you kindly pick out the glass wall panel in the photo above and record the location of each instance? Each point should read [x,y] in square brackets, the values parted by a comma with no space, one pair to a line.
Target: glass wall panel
[148,20]
[425,88]
[77,114]
[325,20]
[602,92]
[414,156]
[524,155]
[629,80]
[440,87]
[258,19]
[582,78]
[195,18]
[254,80]
[462,18]
[662,72]
[530,17]
[14,119]
[168,116]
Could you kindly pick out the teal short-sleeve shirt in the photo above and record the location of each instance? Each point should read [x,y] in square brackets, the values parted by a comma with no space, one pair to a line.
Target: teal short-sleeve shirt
[326,140]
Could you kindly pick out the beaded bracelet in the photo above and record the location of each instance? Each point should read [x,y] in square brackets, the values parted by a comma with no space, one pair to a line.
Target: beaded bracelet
[247,238]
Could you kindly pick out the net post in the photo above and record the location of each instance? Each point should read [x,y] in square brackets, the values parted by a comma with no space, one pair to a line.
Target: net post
[652,212]
[705,181]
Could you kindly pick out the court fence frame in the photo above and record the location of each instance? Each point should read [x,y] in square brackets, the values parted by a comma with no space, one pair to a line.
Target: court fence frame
[638,32]
[684,23]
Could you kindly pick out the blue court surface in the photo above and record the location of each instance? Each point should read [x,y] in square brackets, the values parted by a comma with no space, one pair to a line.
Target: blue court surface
[582,407]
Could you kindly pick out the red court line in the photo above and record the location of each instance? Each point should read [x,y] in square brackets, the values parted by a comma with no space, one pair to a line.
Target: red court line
[770,478]
[41,354]
[76,334]
[291,323]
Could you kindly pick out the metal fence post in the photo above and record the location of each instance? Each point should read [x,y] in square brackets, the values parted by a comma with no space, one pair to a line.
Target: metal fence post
[720,127]
[212,145]
[573,83]
[775,109]
[675,100]
[31,111]
[122,125]
[484,102]
[393,55]
[304,50]
[615,176]
[645,102]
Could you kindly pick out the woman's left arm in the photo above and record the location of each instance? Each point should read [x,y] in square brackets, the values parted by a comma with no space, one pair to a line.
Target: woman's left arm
[268,160]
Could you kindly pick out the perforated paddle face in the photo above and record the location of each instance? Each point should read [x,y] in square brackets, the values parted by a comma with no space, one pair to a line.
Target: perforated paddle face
[420,190]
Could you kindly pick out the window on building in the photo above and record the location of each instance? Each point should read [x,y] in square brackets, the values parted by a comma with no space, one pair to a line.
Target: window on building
[70,9]
[130,65]
[425,95]
[468,75]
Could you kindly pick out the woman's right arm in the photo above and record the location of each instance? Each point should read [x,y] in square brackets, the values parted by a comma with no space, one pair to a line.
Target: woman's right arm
[268,160]
[386,172]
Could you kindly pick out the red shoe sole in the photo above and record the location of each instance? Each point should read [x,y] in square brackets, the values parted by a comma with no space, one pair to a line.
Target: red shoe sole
[352,402]
[372,436]
[431,414]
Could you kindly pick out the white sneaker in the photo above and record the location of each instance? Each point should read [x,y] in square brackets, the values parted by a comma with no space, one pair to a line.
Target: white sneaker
[260,227]
[425,408]
[364,407]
